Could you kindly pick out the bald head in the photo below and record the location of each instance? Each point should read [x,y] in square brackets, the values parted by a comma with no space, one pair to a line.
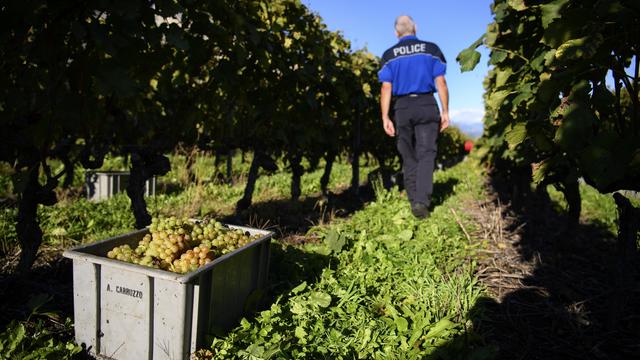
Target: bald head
[405,26]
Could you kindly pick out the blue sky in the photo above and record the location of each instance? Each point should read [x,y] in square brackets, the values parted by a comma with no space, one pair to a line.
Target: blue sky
[453,25]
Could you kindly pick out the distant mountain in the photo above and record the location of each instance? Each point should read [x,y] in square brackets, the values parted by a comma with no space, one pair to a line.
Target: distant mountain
[473,130]
[469,121]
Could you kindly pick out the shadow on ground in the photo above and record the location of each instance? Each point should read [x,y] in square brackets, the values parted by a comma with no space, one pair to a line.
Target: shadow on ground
[50,282]
[553,290]
[292,219]
[442,190]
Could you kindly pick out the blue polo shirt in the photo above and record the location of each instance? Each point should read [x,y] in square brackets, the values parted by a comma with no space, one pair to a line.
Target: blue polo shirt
[411,66]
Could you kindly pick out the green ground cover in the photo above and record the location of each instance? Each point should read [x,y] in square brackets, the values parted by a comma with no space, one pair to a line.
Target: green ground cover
[377,284]
[395,287]
[374,285]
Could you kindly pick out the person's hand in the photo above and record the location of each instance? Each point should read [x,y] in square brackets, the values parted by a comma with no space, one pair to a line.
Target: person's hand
[388,126]
[444,121]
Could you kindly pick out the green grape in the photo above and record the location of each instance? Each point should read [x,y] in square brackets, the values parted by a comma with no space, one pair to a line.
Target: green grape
[181,246]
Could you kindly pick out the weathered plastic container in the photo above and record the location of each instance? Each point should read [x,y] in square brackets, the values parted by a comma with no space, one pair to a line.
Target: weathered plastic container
[101,185]
[127,311]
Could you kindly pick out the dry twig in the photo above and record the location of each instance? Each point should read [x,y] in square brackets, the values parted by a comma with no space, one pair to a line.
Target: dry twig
[460,224]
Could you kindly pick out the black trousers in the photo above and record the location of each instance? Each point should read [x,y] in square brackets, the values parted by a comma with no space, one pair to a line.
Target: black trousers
[417,122]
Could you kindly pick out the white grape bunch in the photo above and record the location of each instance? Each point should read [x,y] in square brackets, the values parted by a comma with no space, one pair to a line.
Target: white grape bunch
[181,245]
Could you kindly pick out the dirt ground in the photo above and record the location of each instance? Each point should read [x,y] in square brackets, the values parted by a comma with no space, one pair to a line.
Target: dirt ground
[552,292]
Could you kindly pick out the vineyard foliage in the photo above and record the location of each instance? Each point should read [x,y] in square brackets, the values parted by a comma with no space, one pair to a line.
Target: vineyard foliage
[562,105]
[139,78]
[551,116]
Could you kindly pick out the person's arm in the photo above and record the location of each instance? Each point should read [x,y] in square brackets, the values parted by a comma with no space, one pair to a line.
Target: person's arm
[385,103]
[443,93]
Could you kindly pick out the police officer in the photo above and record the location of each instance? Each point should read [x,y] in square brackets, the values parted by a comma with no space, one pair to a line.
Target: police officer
[412,70]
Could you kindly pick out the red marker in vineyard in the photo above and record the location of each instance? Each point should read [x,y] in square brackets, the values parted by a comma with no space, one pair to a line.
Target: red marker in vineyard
[468,146]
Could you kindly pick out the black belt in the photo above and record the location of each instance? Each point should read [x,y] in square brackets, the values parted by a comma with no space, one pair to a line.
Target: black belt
[414,95]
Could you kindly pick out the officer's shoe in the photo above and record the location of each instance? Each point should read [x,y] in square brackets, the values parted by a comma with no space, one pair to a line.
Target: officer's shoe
[420,210]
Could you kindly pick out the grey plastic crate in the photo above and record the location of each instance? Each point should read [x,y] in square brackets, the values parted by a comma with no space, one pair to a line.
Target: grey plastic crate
[127,311]
[102,185]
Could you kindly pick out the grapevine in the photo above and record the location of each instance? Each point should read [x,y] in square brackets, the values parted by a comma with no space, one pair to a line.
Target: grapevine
[562,106]
[550,109]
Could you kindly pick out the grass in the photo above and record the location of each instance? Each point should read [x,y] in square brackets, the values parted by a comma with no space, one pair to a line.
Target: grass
[378,284]
[203,168]
[393,287]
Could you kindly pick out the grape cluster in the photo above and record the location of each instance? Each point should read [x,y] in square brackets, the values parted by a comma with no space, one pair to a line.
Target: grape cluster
[192,259]
[181,246]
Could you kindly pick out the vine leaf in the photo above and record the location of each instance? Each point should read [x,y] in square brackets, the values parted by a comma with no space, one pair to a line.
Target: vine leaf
[549,57]
[576,127]
[518,5]
[524,93]
[551,11]
[516,134]
[581,48]
[497,56]
[538,62]
[540,171]
[497,98]
[503,76]
[559,32]
[608,158]
[547,90]
[492,34]
[541,141]
[469,57]
[558,102]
